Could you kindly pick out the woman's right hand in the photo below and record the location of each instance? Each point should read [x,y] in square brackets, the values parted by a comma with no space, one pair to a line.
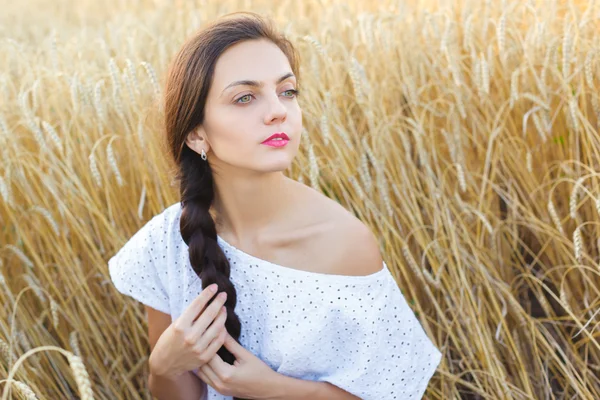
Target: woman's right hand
[189,343]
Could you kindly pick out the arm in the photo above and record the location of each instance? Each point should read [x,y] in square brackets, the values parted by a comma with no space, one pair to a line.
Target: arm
[184,387]
[288,388]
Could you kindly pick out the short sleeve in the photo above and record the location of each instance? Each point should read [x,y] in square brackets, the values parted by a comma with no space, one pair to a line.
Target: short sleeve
[135,269]
[384,351]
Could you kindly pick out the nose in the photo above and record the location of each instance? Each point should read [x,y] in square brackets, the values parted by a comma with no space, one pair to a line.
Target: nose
[276,111]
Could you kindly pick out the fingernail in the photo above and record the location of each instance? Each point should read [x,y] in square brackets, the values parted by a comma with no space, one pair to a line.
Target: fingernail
[223,308]
[213,287]
[223,295]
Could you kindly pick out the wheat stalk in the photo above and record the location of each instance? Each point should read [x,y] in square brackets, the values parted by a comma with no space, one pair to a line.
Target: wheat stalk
[131,74]
[363,172]
[587,67]
[100,111]
[382,186]
[94,169]
[485,75]
[314,168]
[554,216]
[514,88]
[460,173]
[74,92]
[81,377]
[539,127]
[32,122]
[578,243]
[25,390]
[596,107]
[574,198]
[518,310]
[501,34]
[53,135]
[114,73]
[342,133]
[35,287]
[566,52]
[23,341]
[113,163]
[5,352]
[412,263]
[34,97]
[468,32]
[357,188]
[142,202]
[20,254]
[563,298]
[74,343]
[5,193]
[54,312]
[114,77]
[152,77]
[46,214]
[573,113]
[317,45]
[355,79]
[325,129]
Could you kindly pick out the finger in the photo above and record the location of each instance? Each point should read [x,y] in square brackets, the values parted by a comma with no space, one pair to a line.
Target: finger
[196,306]
[214,346]
[219,367]
[210,313]
[203,338]
[211,375]
[204,378]
[234,347]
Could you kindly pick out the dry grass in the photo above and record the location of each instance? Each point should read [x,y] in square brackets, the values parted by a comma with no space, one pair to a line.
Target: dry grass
[465,133]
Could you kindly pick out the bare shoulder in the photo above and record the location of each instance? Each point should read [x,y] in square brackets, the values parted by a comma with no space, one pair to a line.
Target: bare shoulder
[345,245]
[355,249]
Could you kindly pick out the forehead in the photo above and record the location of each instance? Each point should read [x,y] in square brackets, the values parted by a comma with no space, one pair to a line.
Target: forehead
[259,60]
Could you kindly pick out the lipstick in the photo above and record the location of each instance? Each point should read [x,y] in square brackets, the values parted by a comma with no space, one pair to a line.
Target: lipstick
[279,139]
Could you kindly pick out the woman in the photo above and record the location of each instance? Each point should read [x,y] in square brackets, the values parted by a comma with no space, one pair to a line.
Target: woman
[306,293]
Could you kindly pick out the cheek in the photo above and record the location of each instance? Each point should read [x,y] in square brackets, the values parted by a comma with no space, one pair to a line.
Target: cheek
[226,126]
[294,116]
[232,138]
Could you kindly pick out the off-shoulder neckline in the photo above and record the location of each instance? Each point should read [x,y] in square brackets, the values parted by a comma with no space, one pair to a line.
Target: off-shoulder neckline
[302,273]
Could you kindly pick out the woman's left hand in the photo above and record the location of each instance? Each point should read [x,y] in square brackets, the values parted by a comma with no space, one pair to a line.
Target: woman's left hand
[249,377]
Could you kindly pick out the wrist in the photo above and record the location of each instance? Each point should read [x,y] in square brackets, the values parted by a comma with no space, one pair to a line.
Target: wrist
[283,387]
[276,389]
[161,370]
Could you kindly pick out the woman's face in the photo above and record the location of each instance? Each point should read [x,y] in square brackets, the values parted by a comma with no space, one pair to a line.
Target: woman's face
[239,116]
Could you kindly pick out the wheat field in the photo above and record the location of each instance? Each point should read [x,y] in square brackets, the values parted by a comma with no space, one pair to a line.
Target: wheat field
[464,133]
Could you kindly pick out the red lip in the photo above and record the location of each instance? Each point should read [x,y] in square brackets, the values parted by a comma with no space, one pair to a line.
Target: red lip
[281,135]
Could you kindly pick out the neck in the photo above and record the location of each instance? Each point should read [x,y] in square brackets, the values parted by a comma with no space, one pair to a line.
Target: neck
[247,206]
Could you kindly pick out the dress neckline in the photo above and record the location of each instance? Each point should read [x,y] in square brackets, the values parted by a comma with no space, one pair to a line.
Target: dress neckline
[302,273]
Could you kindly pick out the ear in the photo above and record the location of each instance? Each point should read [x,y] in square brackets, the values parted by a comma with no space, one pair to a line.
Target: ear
[196,140]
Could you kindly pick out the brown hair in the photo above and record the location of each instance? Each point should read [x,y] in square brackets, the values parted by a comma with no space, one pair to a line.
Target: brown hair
[188,81]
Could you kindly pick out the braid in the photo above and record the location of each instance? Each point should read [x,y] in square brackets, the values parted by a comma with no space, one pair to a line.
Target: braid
[199,233]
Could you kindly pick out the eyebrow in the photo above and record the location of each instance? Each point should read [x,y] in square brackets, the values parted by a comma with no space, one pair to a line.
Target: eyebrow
[255,83]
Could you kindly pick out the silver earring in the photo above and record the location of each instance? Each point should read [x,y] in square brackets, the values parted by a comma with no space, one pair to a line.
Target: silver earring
[203,155]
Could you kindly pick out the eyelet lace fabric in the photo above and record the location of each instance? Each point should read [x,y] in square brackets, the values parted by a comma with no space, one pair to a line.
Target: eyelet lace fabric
[355,332]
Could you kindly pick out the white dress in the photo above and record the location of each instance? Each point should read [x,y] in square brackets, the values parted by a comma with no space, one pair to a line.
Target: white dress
[356,332]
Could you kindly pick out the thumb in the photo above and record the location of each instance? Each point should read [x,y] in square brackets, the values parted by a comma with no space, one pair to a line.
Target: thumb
[233,346]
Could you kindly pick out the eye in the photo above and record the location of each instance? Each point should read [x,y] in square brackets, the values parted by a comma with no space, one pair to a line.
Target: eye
[293,91]
[244,96]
